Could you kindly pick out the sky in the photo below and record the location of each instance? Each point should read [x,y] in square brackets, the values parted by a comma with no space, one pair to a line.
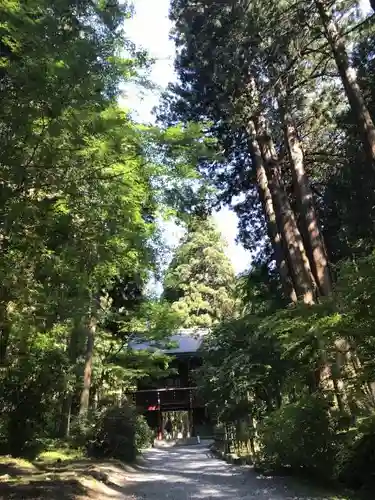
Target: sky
[150,29]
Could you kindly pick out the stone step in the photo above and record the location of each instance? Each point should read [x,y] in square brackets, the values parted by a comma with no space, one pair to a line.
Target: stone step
[163,443]
[194,441]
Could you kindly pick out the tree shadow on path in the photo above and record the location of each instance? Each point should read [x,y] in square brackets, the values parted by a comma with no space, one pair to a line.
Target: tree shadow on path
[189,473]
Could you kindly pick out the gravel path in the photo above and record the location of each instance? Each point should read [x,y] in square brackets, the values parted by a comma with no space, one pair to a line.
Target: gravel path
[185,473]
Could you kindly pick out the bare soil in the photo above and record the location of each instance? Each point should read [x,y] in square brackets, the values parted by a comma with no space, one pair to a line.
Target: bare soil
[72,480]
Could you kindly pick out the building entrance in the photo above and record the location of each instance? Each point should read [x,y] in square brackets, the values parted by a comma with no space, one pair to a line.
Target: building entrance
[176,424]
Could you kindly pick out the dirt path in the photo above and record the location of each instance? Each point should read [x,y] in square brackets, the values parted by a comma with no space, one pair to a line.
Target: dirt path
[183,473]
[177,473]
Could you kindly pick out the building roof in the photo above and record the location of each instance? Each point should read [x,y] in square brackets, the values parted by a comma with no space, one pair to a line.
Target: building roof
[187,340]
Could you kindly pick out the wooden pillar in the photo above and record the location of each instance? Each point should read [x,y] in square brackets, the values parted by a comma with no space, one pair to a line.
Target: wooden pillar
[160,418]
[190,414]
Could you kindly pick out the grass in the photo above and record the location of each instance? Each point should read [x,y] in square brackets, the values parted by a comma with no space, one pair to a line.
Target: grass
[21,463]
[59,472]
[59,454]
[51,475]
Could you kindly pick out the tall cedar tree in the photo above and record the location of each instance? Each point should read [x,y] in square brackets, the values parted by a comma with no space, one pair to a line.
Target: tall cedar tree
[206,90]
[200,280]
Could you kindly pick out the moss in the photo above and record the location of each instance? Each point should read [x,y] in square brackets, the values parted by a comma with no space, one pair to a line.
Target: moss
[59,454]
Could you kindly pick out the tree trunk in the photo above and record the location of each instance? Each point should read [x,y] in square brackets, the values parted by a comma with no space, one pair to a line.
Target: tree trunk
[266,200]
[5,329]
[85,395]
[66,413]
[313,235]
[73,349]
[278,396]
[349,80]
[5,324]
[298,260]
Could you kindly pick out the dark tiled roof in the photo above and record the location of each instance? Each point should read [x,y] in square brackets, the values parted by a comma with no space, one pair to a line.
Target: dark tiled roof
[184,341]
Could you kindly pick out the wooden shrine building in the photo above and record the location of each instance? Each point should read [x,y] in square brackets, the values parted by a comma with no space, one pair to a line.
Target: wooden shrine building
[175,397]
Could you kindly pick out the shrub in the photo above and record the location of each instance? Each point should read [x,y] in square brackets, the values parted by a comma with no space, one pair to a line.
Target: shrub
[29,390]
[356,468]
[143,434]
[83,429]
[299,435]
[119,432]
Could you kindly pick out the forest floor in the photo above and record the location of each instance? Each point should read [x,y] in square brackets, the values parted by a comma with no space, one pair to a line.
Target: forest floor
[70,479]
[177,473]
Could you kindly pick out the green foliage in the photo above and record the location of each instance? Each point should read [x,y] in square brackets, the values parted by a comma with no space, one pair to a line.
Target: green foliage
[144,436]
[29,399]
[73,224]
[356,462]
[119,432]
[291,376]
[259,290]
[81,189]
[200,279]
[299,435]
[348,190]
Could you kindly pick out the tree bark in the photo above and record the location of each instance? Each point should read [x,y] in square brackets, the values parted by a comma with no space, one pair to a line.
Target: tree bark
[5,329]
[66,413]
[349,80]
[5,324]
[267,203]
[87,373]
[73,349]
[313,236]
[298,260]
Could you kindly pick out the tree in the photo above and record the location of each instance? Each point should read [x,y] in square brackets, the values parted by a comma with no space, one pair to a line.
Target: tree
[200,280]
[59,76]
[348,191]
[81,189]
[234,35]
[270,214]
[347,74]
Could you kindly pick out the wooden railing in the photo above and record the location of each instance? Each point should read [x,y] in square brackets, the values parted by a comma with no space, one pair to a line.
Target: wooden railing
[167,398]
